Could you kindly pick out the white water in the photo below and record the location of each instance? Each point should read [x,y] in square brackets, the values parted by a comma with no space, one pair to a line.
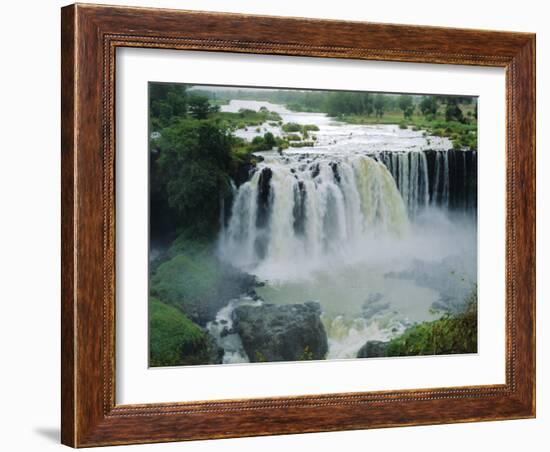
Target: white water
[334,216]
[332,222]
[221,329]
[338,137]
[410,171]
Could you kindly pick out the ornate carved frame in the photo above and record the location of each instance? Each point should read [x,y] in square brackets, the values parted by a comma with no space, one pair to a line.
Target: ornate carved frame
[90,36]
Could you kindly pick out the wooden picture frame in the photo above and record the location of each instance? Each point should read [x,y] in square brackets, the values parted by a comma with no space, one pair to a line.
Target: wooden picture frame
[90,36]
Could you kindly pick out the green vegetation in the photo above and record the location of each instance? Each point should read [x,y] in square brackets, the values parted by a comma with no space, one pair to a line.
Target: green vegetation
[191,170]
[451,334]
[406,105]
[463,135]
[188,279]
[300,144]
[380,103]
[307,354]
[293,137]
[174,339]
[291,127]
[266,143]
[245,118]
[310,127]
[428,106]
[170,102]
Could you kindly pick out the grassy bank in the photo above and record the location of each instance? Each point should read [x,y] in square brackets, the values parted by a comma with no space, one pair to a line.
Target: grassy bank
[451,334]
[174,340]
[246,118]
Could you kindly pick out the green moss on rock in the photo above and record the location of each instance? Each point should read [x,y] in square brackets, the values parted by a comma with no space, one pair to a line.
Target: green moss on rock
[174,340]
[193,280]
[188,281]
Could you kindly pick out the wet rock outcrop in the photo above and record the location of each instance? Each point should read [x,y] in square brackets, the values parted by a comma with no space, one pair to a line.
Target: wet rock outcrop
[272,332]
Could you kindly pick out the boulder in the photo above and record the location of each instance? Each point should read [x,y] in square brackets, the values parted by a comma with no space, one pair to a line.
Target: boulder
[271,332]
[372,349]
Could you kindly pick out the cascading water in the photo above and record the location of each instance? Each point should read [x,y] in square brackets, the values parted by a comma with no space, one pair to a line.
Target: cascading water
[410,171]
[433,177]
[453,179]
[303,208]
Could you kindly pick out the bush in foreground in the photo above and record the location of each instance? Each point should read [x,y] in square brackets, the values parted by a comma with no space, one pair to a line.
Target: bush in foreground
[451,334]
[174,340]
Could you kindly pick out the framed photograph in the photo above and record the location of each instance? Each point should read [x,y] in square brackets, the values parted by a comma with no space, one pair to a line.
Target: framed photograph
[281,225]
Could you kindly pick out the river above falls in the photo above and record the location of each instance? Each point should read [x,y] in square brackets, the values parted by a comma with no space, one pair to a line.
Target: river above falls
[336,136]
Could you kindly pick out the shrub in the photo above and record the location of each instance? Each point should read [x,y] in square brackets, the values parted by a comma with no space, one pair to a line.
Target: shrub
[292,127]
[301,144]
[293,137]
[269,140]
[188,280]
[311,127]
[451,334]
[174,340]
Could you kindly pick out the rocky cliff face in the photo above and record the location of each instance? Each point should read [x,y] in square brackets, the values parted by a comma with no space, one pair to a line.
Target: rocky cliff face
[272,332]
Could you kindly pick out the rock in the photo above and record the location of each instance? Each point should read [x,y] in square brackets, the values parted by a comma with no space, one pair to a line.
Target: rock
[253,294]
[224,332]
[372,349]
[243,172]
[315,170]
[374,305]
[271,332]
[215,352]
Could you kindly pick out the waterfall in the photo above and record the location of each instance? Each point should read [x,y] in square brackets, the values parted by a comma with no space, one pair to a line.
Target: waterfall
[331,227]
[453,179]
[300,207]
[410,171]
[446,179]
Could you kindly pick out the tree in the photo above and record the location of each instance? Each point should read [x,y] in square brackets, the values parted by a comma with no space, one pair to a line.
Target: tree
[193,166]
[406,105]
[166,101]
[367,103]
[453,112]
[199,107]
[380,103]
[428,106]
[269,140]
